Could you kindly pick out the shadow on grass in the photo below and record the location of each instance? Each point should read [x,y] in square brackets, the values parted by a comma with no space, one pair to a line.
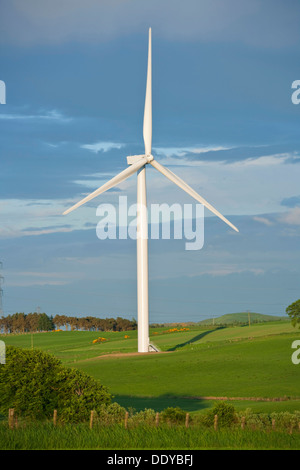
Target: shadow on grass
[195,339]
[161,402]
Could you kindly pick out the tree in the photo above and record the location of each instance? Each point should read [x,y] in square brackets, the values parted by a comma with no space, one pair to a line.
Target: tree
[35,383]
[58,321]
[73,322]
[293,312]
[6,324]
[45,323]
[19,322]
[123,324]
[32,321]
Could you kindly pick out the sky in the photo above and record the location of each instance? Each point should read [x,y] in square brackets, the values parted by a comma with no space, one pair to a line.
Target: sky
[223,120]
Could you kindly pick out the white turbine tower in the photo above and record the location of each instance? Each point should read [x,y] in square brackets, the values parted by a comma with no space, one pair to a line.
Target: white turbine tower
[138,165]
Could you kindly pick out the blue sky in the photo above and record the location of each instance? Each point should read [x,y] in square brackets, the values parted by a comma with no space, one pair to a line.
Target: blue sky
[223,120]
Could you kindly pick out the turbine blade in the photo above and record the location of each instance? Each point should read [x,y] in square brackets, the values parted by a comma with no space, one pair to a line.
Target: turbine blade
[111,183]
[179,182]
[147,130]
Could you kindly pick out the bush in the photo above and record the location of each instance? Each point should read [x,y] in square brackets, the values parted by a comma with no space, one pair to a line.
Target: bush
[284,420]
[226,414]
[35,383]
[258,421]
[110,414]
[173,415]
[146,416]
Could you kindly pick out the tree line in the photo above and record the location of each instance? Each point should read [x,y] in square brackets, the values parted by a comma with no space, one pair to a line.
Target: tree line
[35,322]
[91,323]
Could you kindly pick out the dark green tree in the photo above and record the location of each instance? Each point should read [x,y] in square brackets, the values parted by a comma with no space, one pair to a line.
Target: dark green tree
[45,323]
[293,312]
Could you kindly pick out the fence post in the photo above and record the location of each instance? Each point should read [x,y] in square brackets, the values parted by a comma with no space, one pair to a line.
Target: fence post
[273,424]
[187,417]
[126,420]
[156,419]
[54,417]
[216,423]
[11,418]
[92,418]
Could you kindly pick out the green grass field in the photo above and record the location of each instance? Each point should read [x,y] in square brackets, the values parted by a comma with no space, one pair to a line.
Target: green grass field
[233,362]
[42,436]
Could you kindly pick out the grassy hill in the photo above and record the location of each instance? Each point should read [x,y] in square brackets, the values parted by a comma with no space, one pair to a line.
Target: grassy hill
[242,317]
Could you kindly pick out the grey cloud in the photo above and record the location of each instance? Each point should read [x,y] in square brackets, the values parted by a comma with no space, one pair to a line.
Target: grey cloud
[269,23]
[293,201]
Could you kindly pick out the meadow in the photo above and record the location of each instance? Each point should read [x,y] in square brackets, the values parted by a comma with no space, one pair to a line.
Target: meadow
[250,365]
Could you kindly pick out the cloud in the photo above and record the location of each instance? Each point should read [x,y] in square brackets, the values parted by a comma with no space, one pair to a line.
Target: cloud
[26,218]
[265,160]
[40,278]
[16,233]
[291,218]
[254,186]
[263,220]
[191,156]
[228,270]
[102,146]
[185,151]
[37,282]
[268,23]
[52,115]
[45,231]
[292,201]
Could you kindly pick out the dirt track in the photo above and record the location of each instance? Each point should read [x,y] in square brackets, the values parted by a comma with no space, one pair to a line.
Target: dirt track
[112,355]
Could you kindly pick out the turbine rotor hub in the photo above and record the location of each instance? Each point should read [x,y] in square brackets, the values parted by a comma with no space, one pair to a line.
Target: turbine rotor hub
[149,158]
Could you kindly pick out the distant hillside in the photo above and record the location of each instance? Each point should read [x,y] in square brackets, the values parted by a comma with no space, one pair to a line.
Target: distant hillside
[242,317]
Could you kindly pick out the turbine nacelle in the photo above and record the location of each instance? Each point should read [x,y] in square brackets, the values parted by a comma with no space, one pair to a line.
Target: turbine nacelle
[135,158]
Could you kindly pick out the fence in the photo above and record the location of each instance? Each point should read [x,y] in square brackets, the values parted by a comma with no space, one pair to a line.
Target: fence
[242,422]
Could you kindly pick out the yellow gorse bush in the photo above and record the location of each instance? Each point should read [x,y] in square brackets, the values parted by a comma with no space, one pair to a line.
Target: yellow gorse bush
[99,340]
[174,330]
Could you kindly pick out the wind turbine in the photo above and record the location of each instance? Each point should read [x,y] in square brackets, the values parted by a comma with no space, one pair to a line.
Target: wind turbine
[137,164]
